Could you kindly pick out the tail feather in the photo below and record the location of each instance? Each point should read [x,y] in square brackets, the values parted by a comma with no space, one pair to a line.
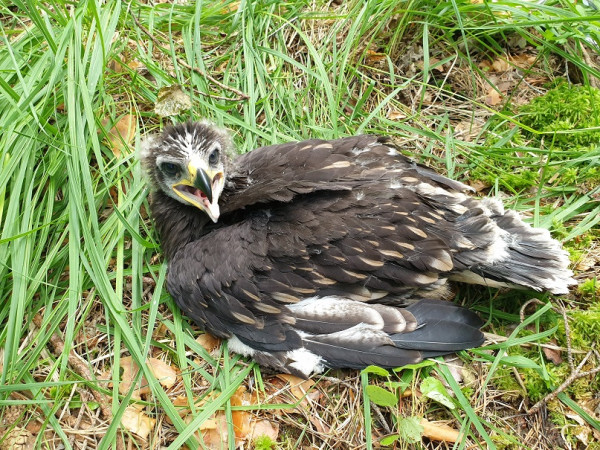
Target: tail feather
[521,256]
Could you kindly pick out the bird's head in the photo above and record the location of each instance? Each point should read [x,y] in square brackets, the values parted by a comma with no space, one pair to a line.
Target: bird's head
[187,163]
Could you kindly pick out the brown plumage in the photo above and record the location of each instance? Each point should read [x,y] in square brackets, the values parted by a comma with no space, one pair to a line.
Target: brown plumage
[331,253]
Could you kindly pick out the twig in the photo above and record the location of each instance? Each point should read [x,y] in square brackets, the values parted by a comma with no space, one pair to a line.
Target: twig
[568,337]
[387,428]
[526,304]
[519,379]
[575,371]
[574,376]
[240,95]
[586,57]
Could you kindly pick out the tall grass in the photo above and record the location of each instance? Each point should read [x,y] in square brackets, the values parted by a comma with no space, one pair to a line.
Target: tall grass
[75,243]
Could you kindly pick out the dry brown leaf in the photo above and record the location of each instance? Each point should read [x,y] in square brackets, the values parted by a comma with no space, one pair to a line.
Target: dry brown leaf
[263,428]
[135,421]
[493,97]
[298,386]
[17,439]
[232,7]
[181,404]
[500,65]
[319,425]
[246,426]
[134,64]
[208,342]
[115,66]
[485,65]
[523,60]
[455,366]
[439,432]
[583,434]
[432,62]
[164,373]
[171,101]
[479,185]
[375,57]
[394,114]
[122,133]
[214,431]
[130,370]
[241,419]
[553,354]
[406,393]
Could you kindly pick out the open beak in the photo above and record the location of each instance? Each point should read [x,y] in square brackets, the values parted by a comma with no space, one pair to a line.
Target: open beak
[201,188]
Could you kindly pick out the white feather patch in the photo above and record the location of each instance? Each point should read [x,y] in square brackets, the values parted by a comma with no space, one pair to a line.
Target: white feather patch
[306,361]
[237,346]
[302,359]
[147,144]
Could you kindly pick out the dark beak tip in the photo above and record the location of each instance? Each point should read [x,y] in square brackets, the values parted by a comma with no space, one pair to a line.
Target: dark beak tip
[203,182]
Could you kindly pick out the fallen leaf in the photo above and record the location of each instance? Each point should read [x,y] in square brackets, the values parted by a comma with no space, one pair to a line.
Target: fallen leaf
[493,97]
[115,66]
[214,431]
[500,65]
[122,133]
[241,419]
[134,64]
[263,428]
[583,434]
[406,393]
[208,342]
[130,371]
[135,421]
[164,373]
[231,7]
[523,60]
[171,101]
[17,439]
[182,406]
[479,185]
[319,425]
[553,354]
[394,114]
[375,57]
[432,62]
[455,366]
[485,65]
[439,432]
[298,386]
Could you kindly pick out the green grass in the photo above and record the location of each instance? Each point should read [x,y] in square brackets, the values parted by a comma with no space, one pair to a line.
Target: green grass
[75,243]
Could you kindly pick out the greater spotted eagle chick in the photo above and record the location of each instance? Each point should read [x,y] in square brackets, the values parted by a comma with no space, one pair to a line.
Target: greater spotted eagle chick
[334,253]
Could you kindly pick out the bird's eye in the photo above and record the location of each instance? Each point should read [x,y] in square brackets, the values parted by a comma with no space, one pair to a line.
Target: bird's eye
[213,158]
[169,169]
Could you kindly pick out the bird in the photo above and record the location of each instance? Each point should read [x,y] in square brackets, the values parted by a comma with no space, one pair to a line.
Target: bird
[337,253]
